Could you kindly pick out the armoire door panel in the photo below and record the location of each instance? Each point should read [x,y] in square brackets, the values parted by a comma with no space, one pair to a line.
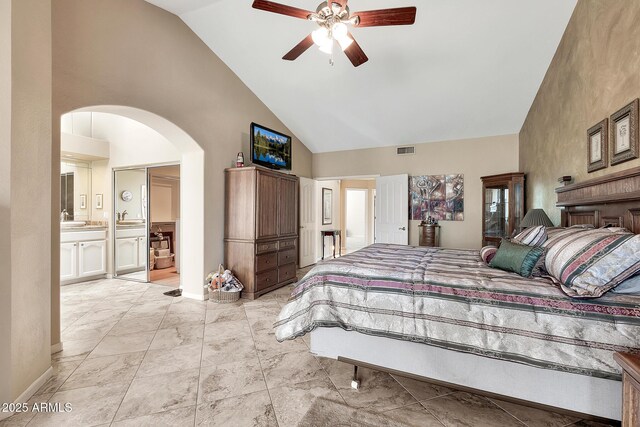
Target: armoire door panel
[267,206]
[288,205]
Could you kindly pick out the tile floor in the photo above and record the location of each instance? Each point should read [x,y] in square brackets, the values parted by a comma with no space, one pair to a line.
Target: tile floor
[134,357]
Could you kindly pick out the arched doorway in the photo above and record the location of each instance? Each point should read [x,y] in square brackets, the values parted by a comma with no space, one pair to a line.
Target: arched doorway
[191,189]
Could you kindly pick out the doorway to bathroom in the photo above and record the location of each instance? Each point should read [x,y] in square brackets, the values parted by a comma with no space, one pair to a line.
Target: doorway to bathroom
[164,225]
[147,224]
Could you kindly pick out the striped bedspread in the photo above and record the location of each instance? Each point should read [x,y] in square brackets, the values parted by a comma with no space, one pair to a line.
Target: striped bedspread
[449,298]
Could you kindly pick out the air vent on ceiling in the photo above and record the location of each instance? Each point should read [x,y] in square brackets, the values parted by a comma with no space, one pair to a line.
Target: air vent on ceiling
[403,151]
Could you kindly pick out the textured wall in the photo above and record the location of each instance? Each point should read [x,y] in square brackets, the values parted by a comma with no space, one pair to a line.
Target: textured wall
[30,202]
[595,72]
[474,158]
[131,53]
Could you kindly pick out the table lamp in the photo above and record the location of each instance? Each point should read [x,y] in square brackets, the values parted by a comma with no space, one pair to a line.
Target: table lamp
[535,217]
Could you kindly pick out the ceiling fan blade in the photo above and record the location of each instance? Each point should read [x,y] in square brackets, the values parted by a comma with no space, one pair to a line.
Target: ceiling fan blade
[282,9]
[382,17]
[355,53]
[299,49]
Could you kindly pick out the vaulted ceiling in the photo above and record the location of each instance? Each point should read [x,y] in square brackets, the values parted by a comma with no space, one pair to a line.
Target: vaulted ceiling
[466,68]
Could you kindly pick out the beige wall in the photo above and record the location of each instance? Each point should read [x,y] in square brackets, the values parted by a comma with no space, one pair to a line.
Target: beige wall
[472,157]
[5,200]
[26,167]
[128,52]
[595,72]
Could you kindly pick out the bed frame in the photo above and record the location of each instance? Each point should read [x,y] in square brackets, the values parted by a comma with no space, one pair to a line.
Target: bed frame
[613,199]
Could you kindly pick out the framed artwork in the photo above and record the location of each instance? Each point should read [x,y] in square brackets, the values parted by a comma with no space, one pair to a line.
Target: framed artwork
[597,147]
[327,206]
[440,197]
[624,133]
[99,201]
[83,201]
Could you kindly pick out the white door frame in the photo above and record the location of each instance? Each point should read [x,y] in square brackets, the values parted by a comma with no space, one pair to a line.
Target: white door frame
[308,232]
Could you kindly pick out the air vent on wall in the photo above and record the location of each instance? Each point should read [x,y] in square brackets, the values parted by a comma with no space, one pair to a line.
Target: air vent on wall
[403,151]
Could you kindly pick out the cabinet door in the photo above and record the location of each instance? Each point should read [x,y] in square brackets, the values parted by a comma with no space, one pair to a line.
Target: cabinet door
[267,206]
[92,258]
[288,207]
[68,261]
[126,253]
[142,251]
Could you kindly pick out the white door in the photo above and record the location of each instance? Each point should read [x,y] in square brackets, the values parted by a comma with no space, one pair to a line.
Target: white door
[92,258]
[126,253]
[68,261]
[142,252]
[308,230]
[392,209]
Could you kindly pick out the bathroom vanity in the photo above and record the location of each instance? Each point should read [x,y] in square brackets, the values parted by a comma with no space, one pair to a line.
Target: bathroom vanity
[83,254]
[131,248]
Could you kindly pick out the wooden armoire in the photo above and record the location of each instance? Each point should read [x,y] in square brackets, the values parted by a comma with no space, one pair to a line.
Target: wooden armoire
[261,228]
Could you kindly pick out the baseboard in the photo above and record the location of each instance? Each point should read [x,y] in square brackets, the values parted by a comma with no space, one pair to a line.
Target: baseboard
[30,391]
[199,297]
[56,348]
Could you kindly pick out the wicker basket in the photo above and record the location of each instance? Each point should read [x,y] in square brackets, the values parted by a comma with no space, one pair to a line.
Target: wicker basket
[223,297]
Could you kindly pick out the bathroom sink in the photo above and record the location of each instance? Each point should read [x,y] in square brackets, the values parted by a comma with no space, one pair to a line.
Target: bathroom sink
[131,221]
[72,224]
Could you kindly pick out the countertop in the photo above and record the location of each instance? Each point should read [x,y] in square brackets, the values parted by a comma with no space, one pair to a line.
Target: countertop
[82,228]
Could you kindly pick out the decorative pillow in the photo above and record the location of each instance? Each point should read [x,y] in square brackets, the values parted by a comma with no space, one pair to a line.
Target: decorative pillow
[516,258]
[532,236]
[487,253]
[587,264]
[631,286]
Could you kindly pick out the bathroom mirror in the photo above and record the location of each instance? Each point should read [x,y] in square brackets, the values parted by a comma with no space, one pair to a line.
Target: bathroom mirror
[75,188]
[130,220]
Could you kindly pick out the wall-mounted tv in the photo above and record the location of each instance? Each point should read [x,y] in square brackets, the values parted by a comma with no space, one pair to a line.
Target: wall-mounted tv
[270,148]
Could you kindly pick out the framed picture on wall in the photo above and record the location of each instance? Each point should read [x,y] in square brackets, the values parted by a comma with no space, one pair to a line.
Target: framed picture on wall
[83,201]
[597,147]
[624,133]
[99,201]
[327,206]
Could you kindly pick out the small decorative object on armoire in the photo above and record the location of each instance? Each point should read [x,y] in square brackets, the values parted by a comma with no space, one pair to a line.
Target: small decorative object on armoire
[261,228]
[597,146]
[502,206]
[624,133]
[429,233]
[240,160]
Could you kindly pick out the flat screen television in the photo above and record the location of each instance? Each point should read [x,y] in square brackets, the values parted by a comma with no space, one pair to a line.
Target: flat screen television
[270,148]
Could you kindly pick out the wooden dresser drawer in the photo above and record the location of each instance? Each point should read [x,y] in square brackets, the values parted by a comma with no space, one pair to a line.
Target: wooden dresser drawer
[266,262]
[287,244]
[267,279]
[287,257]
[262,248]
[286,272]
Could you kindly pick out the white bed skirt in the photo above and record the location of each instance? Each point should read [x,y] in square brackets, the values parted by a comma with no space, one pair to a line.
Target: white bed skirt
[579,393]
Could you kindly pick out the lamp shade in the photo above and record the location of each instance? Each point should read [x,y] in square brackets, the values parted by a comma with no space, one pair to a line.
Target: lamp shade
[535,217]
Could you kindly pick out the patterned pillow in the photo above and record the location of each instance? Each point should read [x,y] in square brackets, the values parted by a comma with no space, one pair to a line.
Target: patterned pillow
[517,258]
[532,236]
[589,263]
[487,253]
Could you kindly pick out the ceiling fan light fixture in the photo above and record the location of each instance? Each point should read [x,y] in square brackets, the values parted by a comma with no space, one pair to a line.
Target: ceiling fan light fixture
[339,30]
[327,47]
[321,36]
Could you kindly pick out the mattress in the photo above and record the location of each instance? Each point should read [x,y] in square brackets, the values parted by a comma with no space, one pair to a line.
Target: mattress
[449,298]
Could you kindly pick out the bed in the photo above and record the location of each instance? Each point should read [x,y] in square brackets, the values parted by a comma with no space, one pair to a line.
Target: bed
[443,315]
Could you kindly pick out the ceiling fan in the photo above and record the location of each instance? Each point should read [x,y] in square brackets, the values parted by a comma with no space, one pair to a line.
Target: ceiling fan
[333,18]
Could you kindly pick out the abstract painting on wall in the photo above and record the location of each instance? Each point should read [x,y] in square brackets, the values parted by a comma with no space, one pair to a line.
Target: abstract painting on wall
[438,196]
